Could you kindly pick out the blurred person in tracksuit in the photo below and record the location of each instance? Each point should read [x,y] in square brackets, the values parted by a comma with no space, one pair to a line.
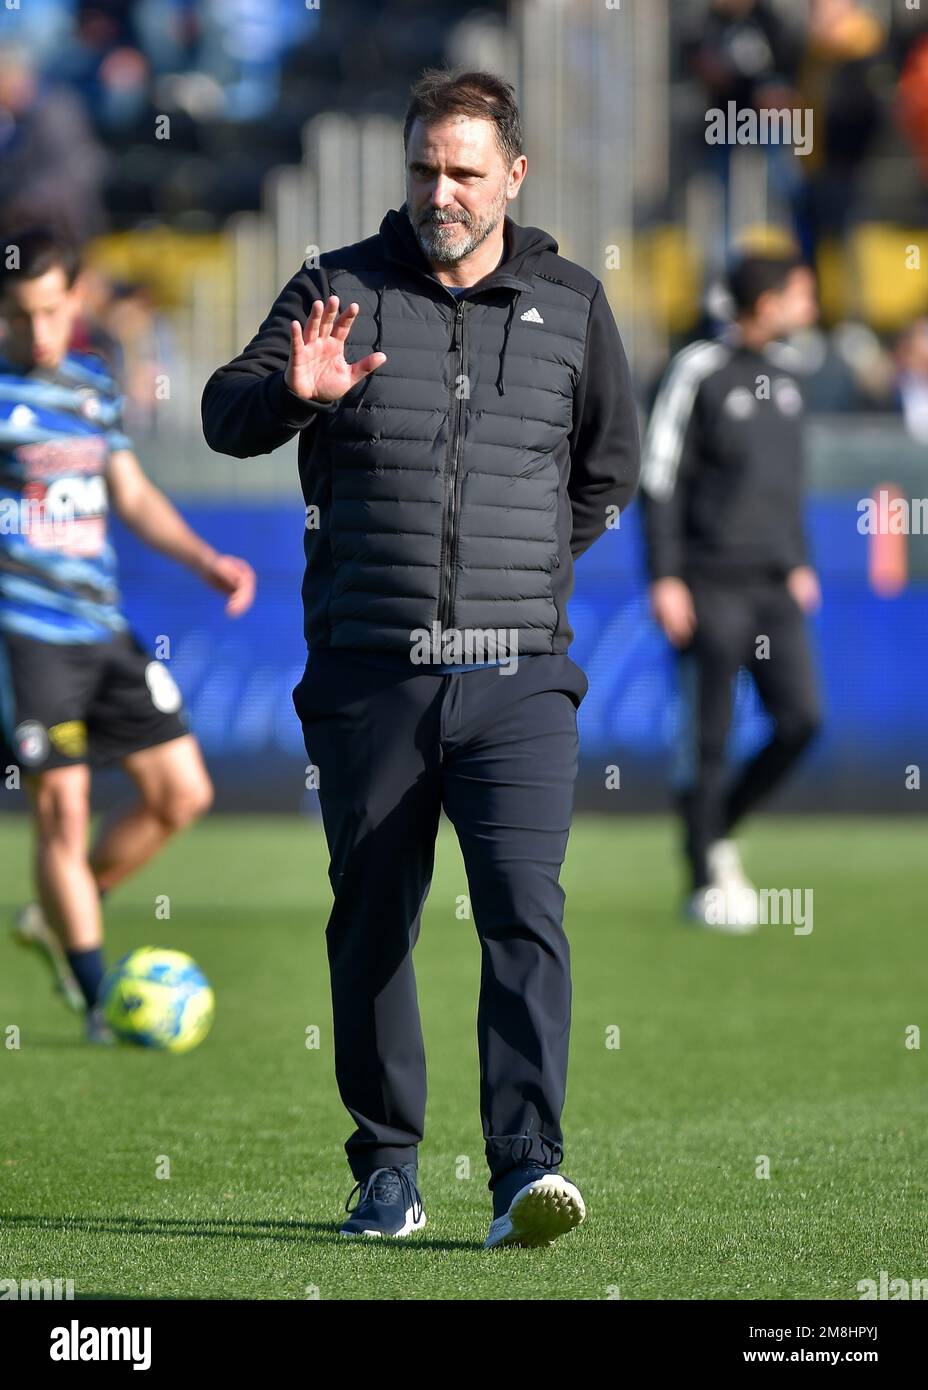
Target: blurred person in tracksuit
[730,577]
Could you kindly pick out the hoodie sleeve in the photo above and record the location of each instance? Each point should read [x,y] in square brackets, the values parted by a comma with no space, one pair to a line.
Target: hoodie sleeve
[673,445]
[604,447]
[247,408]
[796,548]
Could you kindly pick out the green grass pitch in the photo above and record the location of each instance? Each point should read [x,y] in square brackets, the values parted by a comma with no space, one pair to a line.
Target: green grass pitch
[778,1044]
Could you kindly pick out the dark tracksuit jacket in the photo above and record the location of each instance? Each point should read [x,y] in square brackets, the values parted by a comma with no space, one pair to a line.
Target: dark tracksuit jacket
[721,481]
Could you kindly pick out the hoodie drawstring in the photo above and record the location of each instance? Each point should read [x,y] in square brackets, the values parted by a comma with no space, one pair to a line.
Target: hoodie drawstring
[500,376]
[378,319]
[378,334]
[500,384]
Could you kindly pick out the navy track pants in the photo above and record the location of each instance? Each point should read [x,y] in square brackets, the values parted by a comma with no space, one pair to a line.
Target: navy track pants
[730,619]
[499,754]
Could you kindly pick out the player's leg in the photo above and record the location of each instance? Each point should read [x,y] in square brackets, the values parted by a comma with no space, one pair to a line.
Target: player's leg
[45,689]
[174,791]
[60,802]
[707,670]
[371,738]
[788,686]
[508,772]
[137,719]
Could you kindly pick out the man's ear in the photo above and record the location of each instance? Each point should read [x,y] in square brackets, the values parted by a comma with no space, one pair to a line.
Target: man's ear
[91,290]
[516,177]
[79,291]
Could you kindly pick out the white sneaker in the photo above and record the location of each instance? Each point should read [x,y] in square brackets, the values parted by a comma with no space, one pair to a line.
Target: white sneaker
[731,909]
[542,1210]
[725,867]
[31,929]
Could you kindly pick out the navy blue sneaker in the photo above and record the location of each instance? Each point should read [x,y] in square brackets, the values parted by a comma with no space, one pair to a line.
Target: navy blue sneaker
[533,1206]
[389,1204]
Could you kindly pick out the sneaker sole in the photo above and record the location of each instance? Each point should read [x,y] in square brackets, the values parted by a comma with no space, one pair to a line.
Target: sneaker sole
[406,1230]
[547,1208]
[726,928]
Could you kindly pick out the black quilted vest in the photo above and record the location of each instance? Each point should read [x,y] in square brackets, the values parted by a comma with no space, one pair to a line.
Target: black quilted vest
[441,481]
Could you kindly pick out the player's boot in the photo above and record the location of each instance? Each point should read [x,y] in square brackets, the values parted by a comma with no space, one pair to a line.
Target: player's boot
[725,867]
[731,909]
[388,1205]
[96,1029]
[533,1206]
[30,929]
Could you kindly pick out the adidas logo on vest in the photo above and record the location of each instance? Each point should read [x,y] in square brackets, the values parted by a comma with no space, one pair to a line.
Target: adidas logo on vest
[531,316]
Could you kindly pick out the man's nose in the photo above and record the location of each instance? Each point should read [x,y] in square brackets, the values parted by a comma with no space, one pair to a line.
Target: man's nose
[442,193]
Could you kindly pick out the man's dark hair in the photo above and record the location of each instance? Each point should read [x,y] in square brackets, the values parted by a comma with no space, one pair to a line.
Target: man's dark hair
[33,252]
[443,92]
[754,275]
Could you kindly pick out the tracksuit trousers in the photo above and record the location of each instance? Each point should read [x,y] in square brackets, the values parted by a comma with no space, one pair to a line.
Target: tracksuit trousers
[393,746]
[732,618]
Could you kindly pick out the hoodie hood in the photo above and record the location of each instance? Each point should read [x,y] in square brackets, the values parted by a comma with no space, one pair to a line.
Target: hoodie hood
[523,248]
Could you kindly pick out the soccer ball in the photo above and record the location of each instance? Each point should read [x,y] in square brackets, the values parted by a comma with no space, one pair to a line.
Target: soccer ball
[158,999]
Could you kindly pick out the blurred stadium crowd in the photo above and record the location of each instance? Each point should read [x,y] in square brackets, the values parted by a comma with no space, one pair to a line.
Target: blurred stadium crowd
[81,86]
[861,71]
[84,84]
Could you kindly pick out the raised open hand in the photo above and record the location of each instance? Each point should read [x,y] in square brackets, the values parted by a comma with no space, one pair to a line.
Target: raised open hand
[317,370]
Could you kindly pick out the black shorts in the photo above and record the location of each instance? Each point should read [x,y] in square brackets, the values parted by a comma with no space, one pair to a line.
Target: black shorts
[83,702]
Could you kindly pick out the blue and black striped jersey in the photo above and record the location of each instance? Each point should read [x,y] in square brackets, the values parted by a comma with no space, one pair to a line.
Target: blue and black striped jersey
[58,580]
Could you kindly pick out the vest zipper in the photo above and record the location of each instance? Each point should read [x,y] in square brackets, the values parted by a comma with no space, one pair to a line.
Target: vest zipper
[451,493]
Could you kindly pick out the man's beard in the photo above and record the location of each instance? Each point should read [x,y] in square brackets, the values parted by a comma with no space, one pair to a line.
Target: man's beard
[448,247]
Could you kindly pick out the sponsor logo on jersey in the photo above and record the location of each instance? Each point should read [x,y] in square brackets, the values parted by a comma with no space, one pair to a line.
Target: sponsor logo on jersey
[739,404]
[66,515]
[786,395]
[86,454]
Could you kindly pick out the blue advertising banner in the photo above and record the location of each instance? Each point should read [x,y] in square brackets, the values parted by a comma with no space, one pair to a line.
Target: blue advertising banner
[237,675]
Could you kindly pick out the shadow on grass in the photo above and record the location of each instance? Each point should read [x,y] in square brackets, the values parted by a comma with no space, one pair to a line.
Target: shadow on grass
[146,1298]
[224,1228]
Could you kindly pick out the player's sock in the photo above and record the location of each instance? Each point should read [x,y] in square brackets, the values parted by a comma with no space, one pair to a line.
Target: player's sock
[87,967]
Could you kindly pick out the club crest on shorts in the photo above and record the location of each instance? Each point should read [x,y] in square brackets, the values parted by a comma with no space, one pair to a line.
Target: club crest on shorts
[30,740]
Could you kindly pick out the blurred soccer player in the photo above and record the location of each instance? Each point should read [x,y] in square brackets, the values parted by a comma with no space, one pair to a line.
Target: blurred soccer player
[721,489]
[76,687]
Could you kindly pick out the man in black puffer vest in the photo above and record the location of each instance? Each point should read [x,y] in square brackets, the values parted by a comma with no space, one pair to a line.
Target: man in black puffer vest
[467,430]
